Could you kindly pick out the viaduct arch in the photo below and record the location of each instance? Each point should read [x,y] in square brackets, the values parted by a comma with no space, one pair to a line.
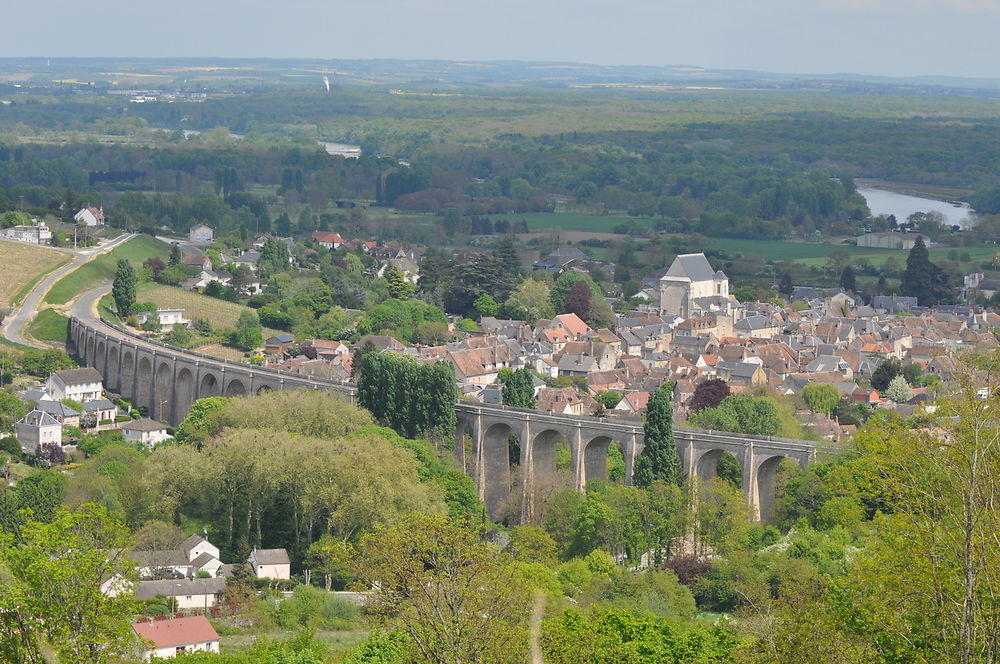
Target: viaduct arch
[165,381]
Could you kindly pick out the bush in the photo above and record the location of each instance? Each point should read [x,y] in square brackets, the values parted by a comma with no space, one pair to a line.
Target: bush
[314,608]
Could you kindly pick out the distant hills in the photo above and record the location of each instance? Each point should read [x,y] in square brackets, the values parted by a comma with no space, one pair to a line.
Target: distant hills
[219,73]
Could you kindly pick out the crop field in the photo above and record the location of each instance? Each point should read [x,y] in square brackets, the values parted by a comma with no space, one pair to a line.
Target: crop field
[22,266]
[776,250]
[101,270]
[195,305]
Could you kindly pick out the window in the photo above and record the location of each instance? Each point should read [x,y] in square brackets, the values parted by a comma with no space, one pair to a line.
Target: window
[189,598]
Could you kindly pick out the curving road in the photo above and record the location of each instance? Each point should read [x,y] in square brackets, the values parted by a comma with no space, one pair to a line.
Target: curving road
[15,323]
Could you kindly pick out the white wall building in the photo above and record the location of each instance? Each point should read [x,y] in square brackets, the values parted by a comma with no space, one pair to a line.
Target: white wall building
[165,639]
[270,564]
[37,428]
[167,317]
[90,216]
[80,385]
[146,431]
[201,234]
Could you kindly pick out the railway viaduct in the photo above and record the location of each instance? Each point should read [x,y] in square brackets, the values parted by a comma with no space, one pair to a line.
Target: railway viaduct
[165,381]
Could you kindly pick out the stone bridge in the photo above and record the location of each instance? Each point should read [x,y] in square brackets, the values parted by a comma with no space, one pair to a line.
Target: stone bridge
[511,452]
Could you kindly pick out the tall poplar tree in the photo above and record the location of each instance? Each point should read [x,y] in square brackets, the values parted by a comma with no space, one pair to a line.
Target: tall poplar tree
[918,278]
[659,459]
[123,288]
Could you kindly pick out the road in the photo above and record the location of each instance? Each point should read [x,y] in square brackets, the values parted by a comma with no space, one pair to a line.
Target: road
[15,323]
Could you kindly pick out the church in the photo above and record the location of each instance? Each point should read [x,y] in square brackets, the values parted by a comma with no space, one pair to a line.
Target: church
[692,288]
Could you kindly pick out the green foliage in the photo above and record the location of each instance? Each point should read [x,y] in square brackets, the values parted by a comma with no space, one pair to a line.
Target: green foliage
[200,421]
[518,388]
[411,397]
[123,288]
[400,318]
[659,459]
[381,648]
[899,390]
[399,287]
[313,608]
[485,305]
[248,333]
[885,372]
[611,635]
[821,397]
[54,589]
[422,552]
[741,413]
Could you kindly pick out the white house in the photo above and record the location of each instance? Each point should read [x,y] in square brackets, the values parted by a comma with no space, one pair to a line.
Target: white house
[37,428]
[184,593]
[270,564]
[90,216]
[77,384]
[201,234]
[327,239]
[167,317]
[164,639]
[146,431]
[37,234]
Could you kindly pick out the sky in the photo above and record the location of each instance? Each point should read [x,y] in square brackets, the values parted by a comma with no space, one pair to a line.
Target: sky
[874,37]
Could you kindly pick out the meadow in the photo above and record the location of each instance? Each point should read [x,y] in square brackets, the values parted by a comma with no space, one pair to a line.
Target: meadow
[23,266]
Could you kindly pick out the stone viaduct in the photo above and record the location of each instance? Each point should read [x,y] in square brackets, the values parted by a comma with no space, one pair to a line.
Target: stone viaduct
[165,381]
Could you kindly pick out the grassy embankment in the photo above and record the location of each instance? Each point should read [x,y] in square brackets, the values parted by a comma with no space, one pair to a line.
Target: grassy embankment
[101,269]
[49,325]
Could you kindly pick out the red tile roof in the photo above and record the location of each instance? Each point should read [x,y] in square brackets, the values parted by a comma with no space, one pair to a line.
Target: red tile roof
[176,632]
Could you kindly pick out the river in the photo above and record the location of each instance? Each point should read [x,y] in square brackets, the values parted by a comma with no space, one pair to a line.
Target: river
[881,201]
[343,149]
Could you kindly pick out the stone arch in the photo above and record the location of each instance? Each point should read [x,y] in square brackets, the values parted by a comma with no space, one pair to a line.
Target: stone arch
[465,443]
[144,384]
[101,359]
[595,458]
[113,372]
[127,375]
[236,388]
[210,386]
[496,466]
[264,389]
[766,474]
[184,392]
[706,467]
[91,349]
[546,476]
[163,398]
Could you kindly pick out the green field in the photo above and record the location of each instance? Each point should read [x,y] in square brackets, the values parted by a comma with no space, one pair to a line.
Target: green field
[102,268]
[976,254]
[775,250]
[568,221]
[49,325]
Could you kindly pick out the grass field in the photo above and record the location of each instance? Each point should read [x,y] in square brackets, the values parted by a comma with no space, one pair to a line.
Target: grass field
[23,266]
[977,254]
[195,305]
[49,325]
[568,221]
[102,269]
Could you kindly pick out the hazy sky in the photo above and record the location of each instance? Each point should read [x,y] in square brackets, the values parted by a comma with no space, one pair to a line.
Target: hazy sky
[891,37]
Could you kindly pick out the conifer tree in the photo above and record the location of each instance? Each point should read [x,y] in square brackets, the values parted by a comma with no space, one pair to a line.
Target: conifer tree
[659,459]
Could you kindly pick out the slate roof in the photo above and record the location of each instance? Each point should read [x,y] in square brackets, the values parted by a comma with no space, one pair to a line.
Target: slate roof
[143,424]
[79,376]
[177,587]
[271,557]
[693,266]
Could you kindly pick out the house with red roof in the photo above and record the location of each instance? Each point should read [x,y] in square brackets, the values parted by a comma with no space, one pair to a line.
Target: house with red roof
[164,639]
[327,239]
